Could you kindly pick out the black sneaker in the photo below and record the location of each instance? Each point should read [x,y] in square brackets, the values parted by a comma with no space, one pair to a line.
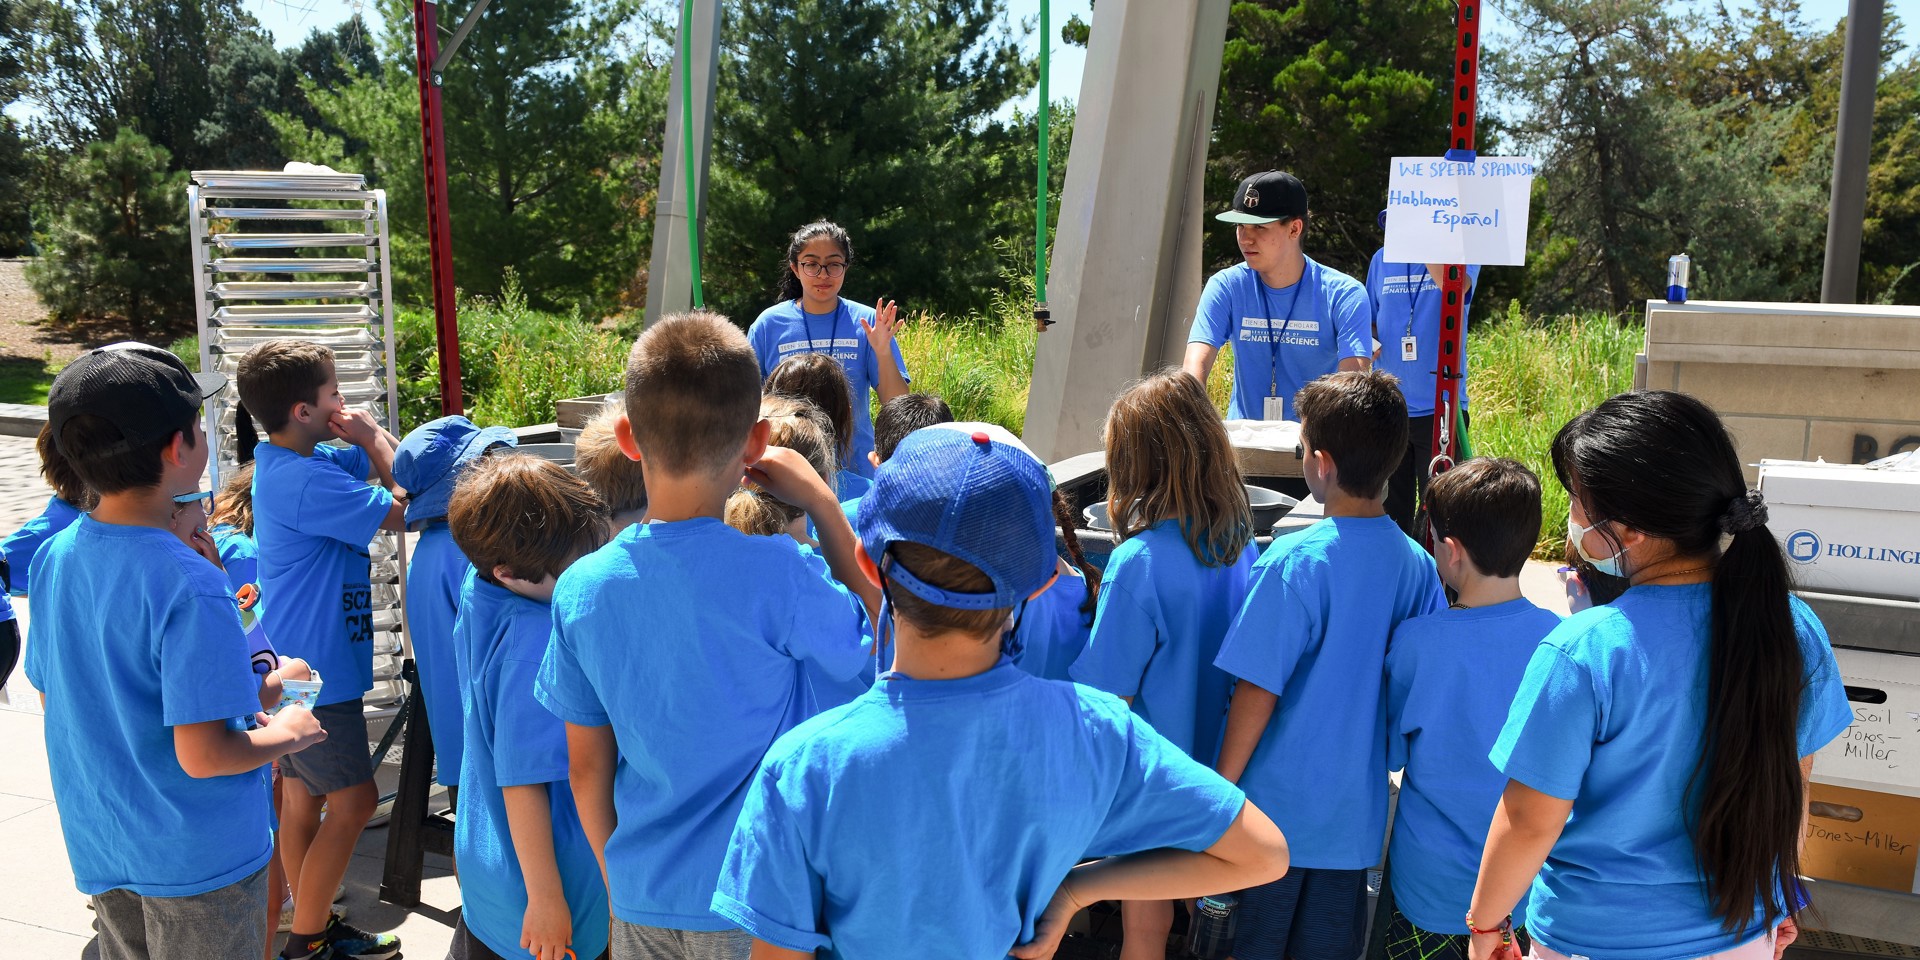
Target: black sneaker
[352,943]
[322,950]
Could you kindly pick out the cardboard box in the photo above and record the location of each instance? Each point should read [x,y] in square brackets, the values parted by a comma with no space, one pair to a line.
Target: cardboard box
[1846,529]
[1861,837]
[1880,751]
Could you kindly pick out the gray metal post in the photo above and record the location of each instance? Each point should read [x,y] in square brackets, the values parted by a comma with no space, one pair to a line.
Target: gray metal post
[1852,147]
[670,268]
[1126,259]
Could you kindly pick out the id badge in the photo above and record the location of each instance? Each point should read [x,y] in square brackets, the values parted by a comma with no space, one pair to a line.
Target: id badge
[1409,349]
[1275,409]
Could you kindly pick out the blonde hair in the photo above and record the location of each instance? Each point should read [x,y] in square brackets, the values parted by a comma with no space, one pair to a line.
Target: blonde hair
[605,467]
[1167,449]
[803,428]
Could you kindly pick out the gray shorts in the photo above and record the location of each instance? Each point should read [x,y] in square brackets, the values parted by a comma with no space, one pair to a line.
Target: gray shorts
[344,759]
[225,924]
[630,941]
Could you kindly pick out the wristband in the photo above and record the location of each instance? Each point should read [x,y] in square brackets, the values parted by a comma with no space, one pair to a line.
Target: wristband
[1504,928]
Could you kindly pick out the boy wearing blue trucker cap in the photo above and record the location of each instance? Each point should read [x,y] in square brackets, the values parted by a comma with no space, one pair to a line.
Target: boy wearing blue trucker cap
[677,648]
[943,811]
[427,465]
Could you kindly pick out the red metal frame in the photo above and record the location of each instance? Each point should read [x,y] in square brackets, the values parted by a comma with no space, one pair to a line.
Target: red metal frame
[433,146]
[1453,287]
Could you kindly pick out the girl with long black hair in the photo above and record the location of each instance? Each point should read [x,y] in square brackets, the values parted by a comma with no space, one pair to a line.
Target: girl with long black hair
[812,317]
[1659,748]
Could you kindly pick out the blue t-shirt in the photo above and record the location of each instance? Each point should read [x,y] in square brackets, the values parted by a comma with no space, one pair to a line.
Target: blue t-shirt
[1314,630]
[1610,716]
[313,518]
[688,639]
[135,634]
[784,329]
[435,570]
[1440,736]
[20,547]
[848,485]
[953,809]
[1162,618]
[1052,629]
[239,554]
[512,741]
[828,688]
[1325,318]
[1406,301]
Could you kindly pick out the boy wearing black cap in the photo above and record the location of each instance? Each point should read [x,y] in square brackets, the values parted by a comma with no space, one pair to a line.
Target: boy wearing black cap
[1289,318]
[163,793]
[949,804]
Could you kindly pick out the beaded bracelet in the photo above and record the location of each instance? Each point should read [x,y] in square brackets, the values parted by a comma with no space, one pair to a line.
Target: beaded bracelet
[1504,928]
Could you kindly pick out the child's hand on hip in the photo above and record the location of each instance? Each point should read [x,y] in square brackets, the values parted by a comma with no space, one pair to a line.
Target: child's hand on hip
[790,478]
[356,427]
[547,928]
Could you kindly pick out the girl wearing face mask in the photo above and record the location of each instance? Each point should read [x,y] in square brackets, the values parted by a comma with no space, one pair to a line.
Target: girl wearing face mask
[812,317]
[1659,748]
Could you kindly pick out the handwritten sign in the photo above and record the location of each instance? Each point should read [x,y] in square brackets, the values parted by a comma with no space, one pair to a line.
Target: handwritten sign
[1880,749]
[1444,211]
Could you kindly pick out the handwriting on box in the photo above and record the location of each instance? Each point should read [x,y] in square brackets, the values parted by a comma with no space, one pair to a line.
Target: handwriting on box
[1880,746]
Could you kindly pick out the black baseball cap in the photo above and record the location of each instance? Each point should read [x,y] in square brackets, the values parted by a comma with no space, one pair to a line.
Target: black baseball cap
[145,391]
[1266,198]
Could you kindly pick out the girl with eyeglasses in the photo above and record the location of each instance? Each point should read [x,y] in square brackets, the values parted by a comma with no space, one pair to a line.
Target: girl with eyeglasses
[812,317]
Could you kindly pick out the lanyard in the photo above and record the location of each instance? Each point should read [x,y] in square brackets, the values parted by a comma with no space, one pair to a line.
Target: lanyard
[840,307]
[1417,284]
[1273,337]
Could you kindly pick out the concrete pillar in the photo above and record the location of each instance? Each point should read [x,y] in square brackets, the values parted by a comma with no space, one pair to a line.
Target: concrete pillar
[1126,257]
[670,268]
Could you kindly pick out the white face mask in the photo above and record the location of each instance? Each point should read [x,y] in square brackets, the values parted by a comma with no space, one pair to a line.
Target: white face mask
[1577,534]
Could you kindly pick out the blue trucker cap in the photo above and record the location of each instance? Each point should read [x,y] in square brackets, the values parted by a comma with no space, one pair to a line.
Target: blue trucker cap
[429,460]
[971,490]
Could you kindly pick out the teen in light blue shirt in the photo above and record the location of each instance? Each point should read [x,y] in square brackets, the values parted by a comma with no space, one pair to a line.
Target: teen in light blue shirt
[1441,739]
[512,741]
[1282,337]
[687,639]
[1609,715]
[313,518]
[171,654]
[811,867]
[1162,618]
[1405,300]
[20,547]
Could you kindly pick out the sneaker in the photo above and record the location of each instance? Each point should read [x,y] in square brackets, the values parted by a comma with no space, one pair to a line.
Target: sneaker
[351,943]
[321,951]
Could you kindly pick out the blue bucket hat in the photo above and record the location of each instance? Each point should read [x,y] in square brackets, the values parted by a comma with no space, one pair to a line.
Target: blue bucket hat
[429,461]
[971,490]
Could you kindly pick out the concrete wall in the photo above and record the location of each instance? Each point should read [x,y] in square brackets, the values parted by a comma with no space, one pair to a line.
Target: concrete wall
[1837,382]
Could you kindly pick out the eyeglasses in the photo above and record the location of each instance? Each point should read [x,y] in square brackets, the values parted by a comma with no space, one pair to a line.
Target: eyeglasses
[831,269]
[188,499]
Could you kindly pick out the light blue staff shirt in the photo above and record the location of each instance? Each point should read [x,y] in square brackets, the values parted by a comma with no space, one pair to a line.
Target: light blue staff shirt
[135,634]
[688,639]
[1441,738]
[435,572]
[785,329]
[1163,615]
[512,741]
[1610,715]
[1406,301]
[1314,630]
[938,817]
[1317,322]
[313,518]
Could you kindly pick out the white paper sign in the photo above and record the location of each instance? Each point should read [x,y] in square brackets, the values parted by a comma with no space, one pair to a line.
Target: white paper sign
[1444,211]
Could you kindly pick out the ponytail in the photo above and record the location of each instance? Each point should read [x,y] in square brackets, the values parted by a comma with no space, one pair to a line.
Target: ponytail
[757,514]
[1063,515]
[244,435]
[1662,463]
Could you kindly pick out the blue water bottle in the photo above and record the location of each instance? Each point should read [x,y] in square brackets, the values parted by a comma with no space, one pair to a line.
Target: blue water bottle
[1678,266]
[1210,932]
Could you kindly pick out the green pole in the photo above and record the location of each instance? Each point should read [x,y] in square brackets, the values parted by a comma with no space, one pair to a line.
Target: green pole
[1040,185]
[686,139]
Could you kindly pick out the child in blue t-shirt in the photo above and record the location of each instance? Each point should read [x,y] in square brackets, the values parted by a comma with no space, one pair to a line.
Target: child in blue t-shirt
[812,317]
[230,523]
[313,516]
[1486,517]
[529,881]
[678,649]
[163,792]
[427,464]
[818,380]
[1306,730]
[70,499]
[620,482]
[1173,585]
[897,418]
[991,783]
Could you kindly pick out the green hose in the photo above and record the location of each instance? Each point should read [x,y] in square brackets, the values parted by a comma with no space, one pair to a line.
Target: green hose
[1040,311]
[686,140]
